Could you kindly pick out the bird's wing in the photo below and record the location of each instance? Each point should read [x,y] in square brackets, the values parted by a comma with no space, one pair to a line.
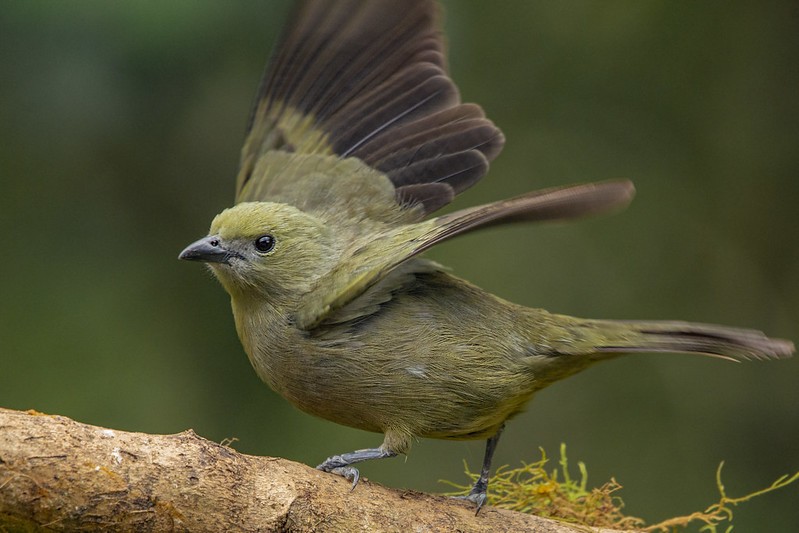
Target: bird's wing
[366,80]
[357,121]
[368,263]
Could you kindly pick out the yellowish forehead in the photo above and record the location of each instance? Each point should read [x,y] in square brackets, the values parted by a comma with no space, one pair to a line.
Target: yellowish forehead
[251,219]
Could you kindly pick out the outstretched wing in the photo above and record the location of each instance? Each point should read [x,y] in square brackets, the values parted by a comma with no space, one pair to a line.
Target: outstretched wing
[357,121]
[366,264]
[364,79]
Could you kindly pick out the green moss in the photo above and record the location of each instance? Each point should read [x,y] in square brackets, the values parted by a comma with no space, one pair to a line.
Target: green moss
[533,489]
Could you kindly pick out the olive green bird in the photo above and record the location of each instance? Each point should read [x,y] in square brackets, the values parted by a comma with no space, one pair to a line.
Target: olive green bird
[356,137]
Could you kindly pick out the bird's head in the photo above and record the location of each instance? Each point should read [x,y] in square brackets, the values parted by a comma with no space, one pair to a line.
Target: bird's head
[265,249]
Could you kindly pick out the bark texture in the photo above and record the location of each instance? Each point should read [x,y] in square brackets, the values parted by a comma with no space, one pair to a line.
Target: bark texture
[61,475]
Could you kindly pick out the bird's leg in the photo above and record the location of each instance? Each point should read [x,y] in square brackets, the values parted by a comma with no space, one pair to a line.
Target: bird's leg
[340,464]
[478,493]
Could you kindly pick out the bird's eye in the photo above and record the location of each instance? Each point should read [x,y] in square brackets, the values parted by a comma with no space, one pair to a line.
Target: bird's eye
[264,243]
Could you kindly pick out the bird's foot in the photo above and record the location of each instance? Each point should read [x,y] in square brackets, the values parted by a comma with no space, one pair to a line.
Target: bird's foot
[477,496]
[337,465]
[342,464]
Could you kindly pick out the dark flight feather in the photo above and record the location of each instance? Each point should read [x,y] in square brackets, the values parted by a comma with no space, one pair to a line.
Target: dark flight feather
[371,76]
[367,264]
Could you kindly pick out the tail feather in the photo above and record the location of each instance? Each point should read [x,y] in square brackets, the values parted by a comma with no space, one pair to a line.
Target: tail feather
[689,337]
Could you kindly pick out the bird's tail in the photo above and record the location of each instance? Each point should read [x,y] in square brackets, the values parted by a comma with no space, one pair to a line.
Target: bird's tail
[688,337]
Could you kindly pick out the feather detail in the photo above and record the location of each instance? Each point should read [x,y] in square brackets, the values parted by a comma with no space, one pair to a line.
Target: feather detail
[367,263]
[368,79]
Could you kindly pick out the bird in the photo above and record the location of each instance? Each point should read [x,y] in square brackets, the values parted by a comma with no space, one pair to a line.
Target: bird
[356,137]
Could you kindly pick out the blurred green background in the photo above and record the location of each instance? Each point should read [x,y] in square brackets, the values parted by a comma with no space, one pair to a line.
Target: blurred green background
[121,126]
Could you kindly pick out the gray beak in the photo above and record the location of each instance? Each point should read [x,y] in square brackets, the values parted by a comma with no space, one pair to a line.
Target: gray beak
[208,250]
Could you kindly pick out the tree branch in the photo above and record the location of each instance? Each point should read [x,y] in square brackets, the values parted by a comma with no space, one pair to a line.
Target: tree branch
[62,475]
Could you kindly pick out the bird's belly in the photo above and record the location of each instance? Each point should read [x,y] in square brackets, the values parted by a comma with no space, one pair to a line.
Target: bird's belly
[458,395]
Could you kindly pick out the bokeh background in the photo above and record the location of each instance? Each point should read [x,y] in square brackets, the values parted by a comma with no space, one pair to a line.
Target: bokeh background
[120,127]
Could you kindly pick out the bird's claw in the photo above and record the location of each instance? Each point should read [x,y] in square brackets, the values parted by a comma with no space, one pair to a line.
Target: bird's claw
[337,465]
[477,498]
[348,472]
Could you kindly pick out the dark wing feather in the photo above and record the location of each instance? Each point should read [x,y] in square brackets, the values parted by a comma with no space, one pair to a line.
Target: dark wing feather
[369,263]
[367,79]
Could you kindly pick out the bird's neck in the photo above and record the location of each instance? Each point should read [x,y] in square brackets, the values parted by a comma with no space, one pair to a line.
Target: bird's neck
[264,326]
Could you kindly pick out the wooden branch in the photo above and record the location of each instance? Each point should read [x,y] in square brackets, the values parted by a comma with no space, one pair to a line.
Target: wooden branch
[66,476]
